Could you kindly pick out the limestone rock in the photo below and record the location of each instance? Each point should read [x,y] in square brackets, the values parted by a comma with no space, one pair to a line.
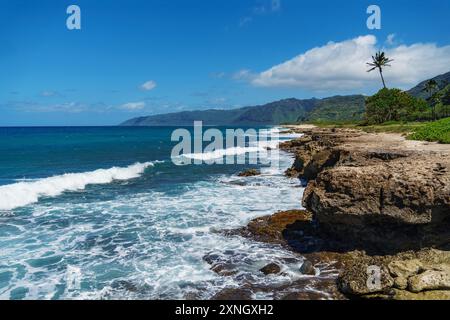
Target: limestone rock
[401,283]
[430,280]
[404,268]
[425,295]
[386,205]
[278,228]
[356,280]
[426,270]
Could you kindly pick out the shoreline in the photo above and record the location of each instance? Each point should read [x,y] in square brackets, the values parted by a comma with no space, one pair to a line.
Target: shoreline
[372,199]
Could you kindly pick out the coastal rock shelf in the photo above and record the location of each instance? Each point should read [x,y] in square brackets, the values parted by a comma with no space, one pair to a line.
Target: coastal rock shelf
[379,193]
[372,200]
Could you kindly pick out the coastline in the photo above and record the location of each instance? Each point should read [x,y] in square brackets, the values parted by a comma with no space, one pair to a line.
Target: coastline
[372,200]
[250,238]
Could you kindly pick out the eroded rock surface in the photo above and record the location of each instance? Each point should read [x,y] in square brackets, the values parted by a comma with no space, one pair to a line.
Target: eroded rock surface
[378,192]
[400,276]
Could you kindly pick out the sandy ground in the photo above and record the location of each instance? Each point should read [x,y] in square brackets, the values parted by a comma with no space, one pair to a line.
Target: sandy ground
[395,141]
[391,141]
[300,126]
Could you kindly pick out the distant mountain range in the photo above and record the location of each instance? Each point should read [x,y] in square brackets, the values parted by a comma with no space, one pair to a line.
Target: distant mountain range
[418,91]
[284,111]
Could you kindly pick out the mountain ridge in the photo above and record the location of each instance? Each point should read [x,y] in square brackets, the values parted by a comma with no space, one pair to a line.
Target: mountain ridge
[291,110]
[277,112]
[442,81]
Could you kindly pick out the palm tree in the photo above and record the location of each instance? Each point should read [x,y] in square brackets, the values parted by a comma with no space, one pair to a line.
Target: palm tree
[379,62]
[430,87]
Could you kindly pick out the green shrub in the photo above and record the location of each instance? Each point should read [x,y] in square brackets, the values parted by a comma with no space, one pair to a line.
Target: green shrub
[434,131]
[442,111]
[394,105]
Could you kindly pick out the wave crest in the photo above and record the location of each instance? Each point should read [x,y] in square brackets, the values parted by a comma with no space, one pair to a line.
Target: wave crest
[24,193]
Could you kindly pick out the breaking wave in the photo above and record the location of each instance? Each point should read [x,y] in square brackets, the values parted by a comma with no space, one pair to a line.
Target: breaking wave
[24,193]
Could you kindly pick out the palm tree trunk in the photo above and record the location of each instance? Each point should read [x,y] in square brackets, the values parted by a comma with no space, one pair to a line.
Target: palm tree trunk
[382,78]
[433,107]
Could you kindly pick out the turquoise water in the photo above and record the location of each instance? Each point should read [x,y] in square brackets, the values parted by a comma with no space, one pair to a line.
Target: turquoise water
[103,213]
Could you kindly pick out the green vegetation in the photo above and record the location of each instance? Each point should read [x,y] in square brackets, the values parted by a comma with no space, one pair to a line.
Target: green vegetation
[419,91]
[394,105]
[395,127]
[394,110]
[338,109]
[433,131]
[438,131]
[392,126]
[441,103]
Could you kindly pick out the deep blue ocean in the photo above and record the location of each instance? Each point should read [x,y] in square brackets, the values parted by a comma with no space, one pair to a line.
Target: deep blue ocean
[103,213]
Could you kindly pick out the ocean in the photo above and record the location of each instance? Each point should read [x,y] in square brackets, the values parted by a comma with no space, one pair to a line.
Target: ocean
[103,213]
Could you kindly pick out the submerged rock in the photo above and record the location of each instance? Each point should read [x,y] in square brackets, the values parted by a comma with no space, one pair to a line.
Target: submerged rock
[249,173]
[220,265]
[271,268]
[307,268]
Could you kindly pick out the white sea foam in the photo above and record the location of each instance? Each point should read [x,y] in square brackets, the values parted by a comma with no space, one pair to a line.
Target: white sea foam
[234,151]
[220,153]
[255,147]
[24,193]
[151,244]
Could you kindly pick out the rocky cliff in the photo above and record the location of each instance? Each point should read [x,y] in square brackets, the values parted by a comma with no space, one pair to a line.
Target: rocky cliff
[375,191]
[376,200]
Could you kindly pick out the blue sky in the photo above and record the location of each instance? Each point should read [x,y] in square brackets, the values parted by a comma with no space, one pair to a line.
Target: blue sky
[134,58]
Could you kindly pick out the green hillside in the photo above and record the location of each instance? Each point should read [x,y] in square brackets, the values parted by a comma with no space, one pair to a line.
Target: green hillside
[338,109]
[283,111]
[442,81]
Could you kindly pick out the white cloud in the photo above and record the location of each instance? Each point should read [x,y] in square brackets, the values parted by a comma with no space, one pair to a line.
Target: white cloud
[132,106]
[149,85]
[342,66]
[266,7]
[243,74]
[390,40]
